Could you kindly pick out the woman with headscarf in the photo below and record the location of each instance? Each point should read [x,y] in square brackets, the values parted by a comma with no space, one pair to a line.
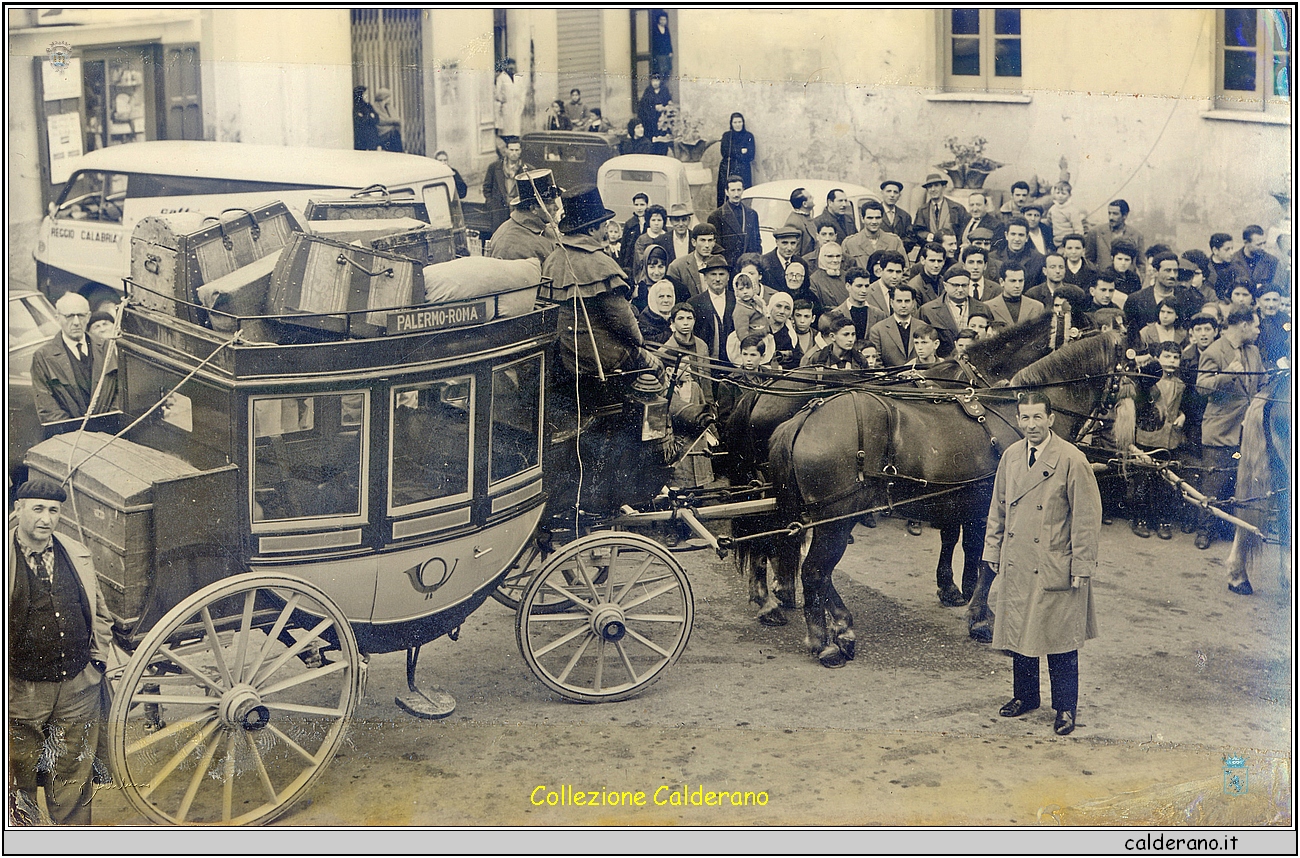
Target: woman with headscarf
[827,282]
[637,143]
[557,118]
[651,265]
[737,151]
[650,110]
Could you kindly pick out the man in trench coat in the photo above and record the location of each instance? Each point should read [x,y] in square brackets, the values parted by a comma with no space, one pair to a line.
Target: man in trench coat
[1043,528]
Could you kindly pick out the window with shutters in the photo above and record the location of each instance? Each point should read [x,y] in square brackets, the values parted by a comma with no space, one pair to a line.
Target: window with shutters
[1254,60]
[981,50]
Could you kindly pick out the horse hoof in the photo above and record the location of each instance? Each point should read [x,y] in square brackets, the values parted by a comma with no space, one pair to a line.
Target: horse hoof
[772,619]
[951,597]
[1241,588]
[832,657]
[982,632]
[849,648]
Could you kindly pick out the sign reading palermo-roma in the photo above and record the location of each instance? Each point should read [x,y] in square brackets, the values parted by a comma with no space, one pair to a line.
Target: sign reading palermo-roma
[440,316]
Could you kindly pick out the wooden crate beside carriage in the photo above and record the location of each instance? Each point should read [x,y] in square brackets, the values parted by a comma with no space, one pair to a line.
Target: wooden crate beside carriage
[112,499]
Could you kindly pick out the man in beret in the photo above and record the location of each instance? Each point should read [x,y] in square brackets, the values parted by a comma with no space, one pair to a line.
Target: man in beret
[775,261]
[59,643]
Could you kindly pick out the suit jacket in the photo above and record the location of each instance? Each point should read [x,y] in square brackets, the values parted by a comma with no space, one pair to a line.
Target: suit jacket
[1029,310]
[101,621]
[1044,526]
[1227,396]
[937,314]
[711,329]
[987,289]
[952,215]
[685,274]
[844,226]
[923,291]
[888,340]
[900,224]
[878,298]
[773,271]
[873,317]
[807,232]
[1028,256]
[991,221]
[1085,278]
[1045,229]
[55,388]
[735,237]
[859,246]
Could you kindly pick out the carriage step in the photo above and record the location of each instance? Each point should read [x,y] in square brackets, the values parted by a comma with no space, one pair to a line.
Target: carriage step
[430,705]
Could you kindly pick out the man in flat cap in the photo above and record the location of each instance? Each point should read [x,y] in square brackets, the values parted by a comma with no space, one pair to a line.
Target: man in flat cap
[59,641]
[788,239]
[896,219]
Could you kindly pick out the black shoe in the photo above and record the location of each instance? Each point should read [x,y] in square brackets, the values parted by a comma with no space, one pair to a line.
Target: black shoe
[1016,708]
[869,520]
[1242,589]
[951,597]
[1165,531]
[913,527]
[1064,725]
[1202,540]
[1140,528]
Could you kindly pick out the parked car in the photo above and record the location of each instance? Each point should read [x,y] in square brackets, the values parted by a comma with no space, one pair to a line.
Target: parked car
[665,180]
[575,157]
[771,201]
[32,324]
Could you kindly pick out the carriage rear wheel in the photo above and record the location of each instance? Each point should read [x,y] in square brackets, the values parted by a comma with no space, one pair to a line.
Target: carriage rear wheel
[626,613]
[235,702]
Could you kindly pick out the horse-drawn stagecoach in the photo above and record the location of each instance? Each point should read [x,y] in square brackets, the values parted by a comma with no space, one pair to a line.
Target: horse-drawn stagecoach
[324,473]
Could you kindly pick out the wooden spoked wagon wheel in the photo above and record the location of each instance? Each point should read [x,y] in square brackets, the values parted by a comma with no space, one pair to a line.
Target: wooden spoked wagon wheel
[235,702]
[605,617]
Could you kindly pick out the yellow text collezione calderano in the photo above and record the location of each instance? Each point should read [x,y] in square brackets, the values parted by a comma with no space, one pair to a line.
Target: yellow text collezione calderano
[566,795]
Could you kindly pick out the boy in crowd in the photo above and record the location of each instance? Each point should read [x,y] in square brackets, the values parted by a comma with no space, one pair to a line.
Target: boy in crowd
[1066,215]
[927,344]
[1154,500]
[839,352]
[1103,295]
[805,340]
[747,375]
[1123,256]
[684,342]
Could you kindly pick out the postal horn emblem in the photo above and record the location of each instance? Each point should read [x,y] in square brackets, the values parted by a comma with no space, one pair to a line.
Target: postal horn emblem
[430,575]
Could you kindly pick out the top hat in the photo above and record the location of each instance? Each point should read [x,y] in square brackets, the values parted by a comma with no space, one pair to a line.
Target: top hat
[893,182]
[934,179]
[534,186]
[583,209]
[717,260]
[679,210]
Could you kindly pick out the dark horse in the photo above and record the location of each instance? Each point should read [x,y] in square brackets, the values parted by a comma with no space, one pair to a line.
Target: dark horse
[1264,483]
[759,413]
[870,447]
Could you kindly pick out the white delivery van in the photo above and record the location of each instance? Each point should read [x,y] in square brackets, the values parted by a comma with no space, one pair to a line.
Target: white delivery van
[84,244]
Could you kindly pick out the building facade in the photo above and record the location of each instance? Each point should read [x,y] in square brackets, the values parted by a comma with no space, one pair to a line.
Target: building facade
[1185,113]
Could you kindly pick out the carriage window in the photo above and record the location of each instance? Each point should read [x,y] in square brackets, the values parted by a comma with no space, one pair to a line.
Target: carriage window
[516,418]
[433,431]
[307,456]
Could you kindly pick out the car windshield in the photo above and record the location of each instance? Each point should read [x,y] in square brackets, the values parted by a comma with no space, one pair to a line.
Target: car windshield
[31,319]
[771,213]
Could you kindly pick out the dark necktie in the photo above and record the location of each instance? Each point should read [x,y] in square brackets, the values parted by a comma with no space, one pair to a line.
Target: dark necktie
[1033,455]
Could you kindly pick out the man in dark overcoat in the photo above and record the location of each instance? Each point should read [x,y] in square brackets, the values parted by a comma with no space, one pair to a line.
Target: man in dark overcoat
[737,225]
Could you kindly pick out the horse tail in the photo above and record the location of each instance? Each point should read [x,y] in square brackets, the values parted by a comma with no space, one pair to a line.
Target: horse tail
[1126,417]
[780,456]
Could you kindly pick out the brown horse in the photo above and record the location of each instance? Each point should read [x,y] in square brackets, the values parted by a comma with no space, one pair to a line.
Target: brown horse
[759,413]
[1264,484]
[871,447]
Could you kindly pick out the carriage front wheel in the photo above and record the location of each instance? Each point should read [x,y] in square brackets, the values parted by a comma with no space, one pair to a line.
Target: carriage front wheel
[627,616]
[235,702]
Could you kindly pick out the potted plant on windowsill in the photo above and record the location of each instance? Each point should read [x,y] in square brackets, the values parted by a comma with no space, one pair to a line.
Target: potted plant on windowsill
[969,167]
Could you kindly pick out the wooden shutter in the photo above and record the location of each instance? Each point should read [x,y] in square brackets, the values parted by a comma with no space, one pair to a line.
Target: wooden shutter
[581,56]
[183,110]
